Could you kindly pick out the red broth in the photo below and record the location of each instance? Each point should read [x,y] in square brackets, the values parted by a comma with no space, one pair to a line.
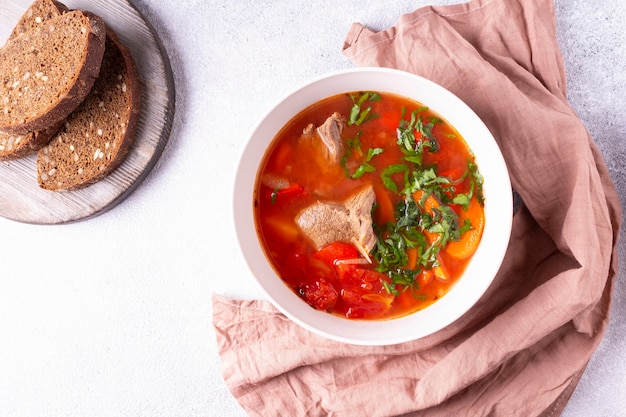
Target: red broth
[445,210]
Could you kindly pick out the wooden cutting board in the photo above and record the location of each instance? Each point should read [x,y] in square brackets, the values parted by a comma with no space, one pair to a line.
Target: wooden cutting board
[22,200]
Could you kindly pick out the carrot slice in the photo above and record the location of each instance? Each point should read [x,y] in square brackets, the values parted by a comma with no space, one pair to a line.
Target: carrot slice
[384,213]
[441,273]
[412,258]
[467,245]
[425,277]
[429,204]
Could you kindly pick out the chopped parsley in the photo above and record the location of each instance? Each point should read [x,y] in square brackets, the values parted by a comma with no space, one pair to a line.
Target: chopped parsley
[353,146]
[418,227]
[413,220]
[366,166]
[361,110]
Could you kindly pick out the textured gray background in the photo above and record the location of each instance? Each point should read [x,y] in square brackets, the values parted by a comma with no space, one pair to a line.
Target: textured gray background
[592,37]
[114,316]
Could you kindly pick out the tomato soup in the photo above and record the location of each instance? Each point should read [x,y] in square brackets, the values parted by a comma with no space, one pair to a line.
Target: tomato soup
[369,205]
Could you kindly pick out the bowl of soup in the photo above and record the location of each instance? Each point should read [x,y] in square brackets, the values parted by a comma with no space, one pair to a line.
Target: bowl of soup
[372,206]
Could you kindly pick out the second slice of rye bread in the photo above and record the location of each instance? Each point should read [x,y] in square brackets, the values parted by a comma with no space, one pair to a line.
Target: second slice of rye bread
[97,136]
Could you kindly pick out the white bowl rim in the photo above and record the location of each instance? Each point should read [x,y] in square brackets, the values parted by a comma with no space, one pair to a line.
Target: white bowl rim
[485,262]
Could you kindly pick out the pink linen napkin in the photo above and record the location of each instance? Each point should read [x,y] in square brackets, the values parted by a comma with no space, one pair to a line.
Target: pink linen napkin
[521,350]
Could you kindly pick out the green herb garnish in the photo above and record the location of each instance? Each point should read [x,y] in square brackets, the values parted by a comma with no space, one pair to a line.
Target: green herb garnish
[361,111]
[354,146]
[366,166]
[417,227]
[413,221]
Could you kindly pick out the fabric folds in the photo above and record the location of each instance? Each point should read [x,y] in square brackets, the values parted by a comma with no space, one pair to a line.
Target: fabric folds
[521,350]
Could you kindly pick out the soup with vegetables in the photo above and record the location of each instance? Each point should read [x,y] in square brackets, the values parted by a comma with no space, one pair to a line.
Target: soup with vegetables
[369,205]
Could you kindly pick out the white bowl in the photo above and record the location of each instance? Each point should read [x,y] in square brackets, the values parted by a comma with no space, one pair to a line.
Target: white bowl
[484,264]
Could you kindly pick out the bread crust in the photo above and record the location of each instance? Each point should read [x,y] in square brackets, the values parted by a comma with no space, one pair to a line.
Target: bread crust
[18,52]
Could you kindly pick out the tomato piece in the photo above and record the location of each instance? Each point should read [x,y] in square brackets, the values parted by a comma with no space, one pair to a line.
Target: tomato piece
[317,285]
[294,265]
[363,293]
[360,293]
[335,251]
[318,292]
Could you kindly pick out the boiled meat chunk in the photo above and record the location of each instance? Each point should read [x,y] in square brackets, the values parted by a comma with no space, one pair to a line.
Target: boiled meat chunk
[348,221]
[329,136]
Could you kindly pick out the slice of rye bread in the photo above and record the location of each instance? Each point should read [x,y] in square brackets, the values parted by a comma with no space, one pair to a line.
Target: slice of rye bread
[15,146]
[46,74]
[97,136]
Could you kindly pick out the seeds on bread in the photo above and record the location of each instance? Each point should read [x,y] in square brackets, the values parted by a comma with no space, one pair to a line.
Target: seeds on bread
[96,137]
[39,12]
[15,146]
[46,72]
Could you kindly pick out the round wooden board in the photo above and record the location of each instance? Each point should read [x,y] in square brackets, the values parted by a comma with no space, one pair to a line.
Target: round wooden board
[21,198]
